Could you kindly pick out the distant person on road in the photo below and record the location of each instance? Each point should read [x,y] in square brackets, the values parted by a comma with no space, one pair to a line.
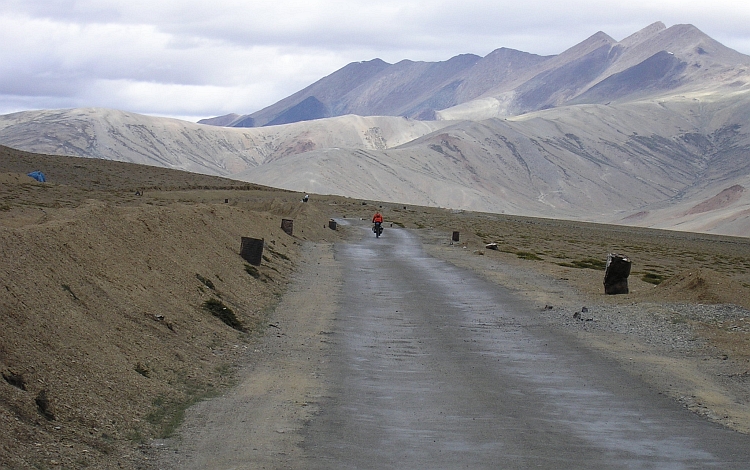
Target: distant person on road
[377,221]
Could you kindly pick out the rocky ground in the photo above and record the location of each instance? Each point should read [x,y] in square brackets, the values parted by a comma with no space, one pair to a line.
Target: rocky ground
[689,336]
[106,339]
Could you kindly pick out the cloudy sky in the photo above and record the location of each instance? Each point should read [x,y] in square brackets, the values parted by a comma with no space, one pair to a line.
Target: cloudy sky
[200,58]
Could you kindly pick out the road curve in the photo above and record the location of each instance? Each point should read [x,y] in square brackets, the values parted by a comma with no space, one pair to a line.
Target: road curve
[434,367]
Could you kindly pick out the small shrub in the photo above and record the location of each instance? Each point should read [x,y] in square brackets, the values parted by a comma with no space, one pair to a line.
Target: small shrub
[653,278]
[224,313]
[43,406]
[252,270]
[280,255]
[14,379]
[135,435]
[143,370]
[528,255]
[69,291]
[167,415]
[223,370]
[206,282]
[587,263]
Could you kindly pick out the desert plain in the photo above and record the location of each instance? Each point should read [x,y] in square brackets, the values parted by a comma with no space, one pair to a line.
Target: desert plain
[112,274]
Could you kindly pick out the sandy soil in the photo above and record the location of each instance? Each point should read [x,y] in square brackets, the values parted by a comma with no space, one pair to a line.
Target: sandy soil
[105,341]
[105,338]
[257,423]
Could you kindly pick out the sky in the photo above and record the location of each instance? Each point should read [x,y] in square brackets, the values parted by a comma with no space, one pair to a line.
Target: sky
[193,59]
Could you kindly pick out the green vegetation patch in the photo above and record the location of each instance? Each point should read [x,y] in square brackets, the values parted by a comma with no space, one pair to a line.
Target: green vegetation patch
[278,255]
[653,278]
[206,282]
[166,415]
[252,270]
[224,313]
[255,272]
[677,319]
[587,263]
[528,255]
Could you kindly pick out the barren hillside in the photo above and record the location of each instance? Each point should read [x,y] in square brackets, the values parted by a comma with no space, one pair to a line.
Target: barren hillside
[113,304]
[642,163]
[116,135]
[112,319]
[589,162]
[640,131]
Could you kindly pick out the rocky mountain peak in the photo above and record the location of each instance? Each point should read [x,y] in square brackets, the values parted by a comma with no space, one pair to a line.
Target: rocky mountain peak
[646,33]
[519,81]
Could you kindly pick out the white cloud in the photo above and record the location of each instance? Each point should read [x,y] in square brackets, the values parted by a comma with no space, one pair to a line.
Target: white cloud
[198,58]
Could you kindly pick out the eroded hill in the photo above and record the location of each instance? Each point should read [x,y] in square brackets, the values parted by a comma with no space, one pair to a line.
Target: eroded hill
[119,310]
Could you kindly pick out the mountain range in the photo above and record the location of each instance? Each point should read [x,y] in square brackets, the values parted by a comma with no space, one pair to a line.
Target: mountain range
[650,130]
[509,82]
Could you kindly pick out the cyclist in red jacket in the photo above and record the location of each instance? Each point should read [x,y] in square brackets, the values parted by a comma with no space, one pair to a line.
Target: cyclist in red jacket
[377,219]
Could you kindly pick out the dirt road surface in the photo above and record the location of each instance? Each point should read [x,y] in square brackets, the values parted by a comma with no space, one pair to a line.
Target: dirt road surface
[381,356]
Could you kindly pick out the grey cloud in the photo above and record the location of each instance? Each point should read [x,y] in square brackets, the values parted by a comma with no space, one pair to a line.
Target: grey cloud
[68,11]
[231,44]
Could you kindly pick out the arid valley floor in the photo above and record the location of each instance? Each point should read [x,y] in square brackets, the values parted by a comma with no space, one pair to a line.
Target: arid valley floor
[108,336]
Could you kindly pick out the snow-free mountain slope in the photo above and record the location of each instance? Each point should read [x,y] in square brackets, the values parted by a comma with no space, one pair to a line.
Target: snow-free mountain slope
[171,143]
[651,130]
[653,61]
[592,162]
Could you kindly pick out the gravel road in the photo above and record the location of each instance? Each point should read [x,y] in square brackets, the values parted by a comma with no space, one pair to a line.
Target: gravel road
[382,356]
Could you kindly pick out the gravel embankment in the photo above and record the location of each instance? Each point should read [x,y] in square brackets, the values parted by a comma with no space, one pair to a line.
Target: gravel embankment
[668,325]
[692,352]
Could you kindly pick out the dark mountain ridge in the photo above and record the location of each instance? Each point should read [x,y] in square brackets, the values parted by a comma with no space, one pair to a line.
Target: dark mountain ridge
[598,70]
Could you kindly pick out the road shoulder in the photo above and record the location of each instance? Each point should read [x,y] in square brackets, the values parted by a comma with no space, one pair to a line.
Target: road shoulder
[651,340]
[257,423]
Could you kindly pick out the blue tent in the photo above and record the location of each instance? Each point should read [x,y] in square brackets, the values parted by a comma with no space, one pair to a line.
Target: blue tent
[38,175]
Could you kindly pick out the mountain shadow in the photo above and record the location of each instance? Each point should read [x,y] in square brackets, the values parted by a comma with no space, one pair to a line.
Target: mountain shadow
[662,71]
[307,110]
